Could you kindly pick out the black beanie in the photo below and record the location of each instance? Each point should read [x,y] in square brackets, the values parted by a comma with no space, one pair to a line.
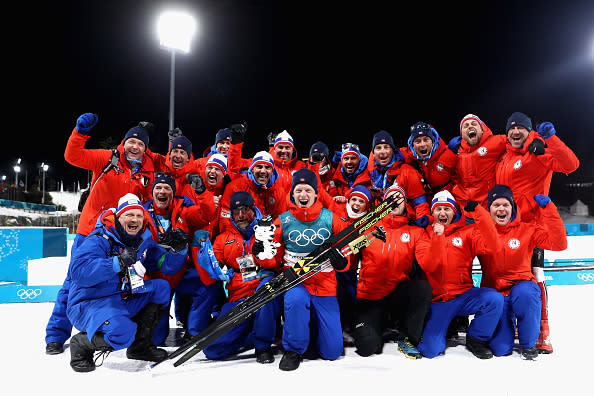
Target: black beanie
[223,134]
[382,137]
[241,198]
[162,177]
[138,132]
[319,147]
[304,176]
[421,129]
[182,142]
[500,191]
[518,119]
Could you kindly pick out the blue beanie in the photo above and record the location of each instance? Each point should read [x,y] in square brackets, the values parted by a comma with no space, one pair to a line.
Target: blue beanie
[182,142]
[383,137]
[241,198]
[360,191]
[138,132]
[518,119]
[223,134]
[304,176]
[166,178]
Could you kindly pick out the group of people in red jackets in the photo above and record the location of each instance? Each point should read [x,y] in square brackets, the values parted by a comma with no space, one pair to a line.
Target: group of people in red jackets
[243,220]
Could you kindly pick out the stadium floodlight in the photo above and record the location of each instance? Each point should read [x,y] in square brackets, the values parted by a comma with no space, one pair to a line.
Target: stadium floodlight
[175,29]
[44,168]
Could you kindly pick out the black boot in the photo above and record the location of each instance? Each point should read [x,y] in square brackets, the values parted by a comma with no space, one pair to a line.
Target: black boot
[82,351]
[54,348]
[143,348]
[264,356]
[480,349]
[290,361]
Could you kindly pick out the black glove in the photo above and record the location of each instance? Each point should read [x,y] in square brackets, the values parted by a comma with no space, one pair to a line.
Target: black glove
[537,147]
[470,206]
[172,134]
[177,239]
[338,261]
[195,181]
[271,137]
[238,132]
[128,257]
[226,180]
[148,126]
[257,247]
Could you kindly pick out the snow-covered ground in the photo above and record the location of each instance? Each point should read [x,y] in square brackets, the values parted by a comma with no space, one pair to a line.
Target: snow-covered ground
[25,366]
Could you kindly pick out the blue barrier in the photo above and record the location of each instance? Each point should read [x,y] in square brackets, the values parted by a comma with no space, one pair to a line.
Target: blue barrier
[579,229]
[18,245]
[568,275]
[27,206]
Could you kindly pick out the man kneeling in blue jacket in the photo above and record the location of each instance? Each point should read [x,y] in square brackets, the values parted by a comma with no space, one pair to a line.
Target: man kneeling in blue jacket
[109,302]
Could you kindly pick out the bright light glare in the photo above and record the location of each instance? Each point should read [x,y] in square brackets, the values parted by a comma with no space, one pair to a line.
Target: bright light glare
[44,166]
[176,29]
[17,168]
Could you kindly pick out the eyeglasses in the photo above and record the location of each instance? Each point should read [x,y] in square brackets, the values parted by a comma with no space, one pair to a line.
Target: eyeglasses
[350,146]
[241,209]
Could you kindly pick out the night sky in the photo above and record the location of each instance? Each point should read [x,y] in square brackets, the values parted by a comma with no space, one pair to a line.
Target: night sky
[332,72]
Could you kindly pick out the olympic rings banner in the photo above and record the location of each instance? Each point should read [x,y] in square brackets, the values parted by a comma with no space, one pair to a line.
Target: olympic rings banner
[13,292]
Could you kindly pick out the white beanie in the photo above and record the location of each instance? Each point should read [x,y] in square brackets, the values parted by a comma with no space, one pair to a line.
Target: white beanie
[445,198]
[127,202]
[284,138]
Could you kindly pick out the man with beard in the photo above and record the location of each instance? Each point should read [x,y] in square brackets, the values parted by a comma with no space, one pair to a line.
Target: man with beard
[387,165]
[261,181]
[233,249]
[351,172]
[428,153]
[478,151]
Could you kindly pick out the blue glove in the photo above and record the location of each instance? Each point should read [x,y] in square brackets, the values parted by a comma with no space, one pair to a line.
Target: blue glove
[230,273]
[542,200]
[422,221]
[86,122]
[454,144]
[546,130]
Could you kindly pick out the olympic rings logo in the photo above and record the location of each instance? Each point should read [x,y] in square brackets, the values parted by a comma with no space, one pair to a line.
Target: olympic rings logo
[586,277]
[309,236]
[28,294]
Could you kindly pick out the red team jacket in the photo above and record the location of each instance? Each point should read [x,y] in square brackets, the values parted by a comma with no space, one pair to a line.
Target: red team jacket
[474,175]
[456,250]
[386,264]
[528,174]
[112,185]
[512,263]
